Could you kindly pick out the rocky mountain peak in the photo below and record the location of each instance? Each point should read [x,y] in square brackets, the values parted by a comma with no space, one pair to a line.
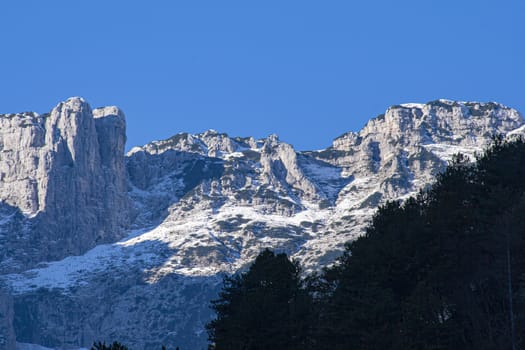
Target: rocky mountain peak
[110,111]
[209,143]
[52,167]
[198,206]
[412,125]
[459,122]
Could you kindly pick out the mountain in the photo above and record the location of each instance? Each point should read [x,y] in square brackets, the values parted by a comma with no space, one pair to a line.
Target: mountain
[102,245]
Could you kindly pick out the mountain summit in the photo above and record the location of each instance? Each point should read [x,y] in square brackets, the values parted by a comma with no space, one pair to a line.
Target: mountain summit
[102,245]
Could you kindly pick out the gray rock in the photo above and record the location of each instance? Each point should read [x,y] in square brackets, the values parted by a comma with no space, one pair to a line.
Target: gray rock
[63,179]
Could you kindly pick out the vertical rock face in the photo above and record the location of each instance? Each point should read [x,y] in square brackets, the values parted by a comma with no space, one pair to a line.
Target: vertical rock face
[7,333]
[62,177]
[23,167]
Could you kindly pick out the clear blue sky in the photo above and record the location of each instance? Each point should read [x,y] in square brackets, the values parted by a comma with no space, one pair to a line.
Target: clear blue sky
[306,70]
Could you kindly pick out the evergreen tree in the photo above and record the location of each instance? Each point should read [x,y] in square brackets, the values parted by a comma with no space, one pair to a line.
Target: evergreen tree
[264,308]
[102,346]
[444,270]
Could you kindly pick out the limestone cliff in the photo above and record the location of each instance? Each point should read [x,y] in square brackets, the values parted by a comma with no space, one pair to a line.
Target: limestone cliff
[63,183]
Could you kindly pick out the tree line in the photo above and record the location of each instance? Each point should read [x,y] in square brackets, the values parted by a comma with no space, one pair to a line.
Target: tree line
[442,270]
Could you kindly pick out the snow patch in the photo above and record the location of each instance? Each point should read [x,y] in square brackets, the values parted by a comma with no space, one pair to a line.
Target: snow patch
[412,105]
[446,151]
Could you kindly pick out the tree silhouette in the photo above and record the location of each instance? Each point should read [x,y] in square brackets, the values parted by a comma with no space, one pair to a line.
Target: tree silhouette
[114,346]
[264,308]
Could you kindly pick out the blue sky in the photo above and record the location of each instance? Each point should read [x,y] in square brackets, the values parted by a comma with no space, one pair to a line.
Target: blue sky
[306,70]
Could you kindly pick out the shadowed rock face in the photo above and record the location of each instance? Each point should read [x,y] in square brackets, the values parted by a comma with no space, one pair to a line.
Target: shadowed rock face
[63,176]
[198,206]
[7,332]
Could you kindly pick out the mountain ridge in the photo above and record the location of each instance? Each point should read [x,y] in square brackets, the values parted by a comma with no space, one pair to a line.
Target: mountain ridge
[205,204]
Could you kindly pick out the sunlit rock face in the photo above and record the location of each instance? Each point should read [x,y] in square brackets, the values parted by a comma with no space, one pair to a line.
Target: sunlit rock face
[190,209]
[63,183]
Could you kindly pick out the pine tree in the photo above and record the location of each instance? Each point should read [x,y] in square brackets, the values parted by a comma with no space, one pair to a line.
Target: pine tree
[102,346]
[443,270]
[264,308]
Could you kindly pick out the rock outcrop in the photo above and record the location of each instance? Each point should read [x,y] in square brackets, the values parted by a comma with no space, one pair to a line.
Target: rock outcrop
[63,182]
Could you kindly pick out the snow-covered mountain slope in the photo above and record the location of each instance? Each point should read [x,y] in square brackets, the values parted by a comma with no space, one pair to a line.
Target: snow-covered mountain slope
[206,204]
